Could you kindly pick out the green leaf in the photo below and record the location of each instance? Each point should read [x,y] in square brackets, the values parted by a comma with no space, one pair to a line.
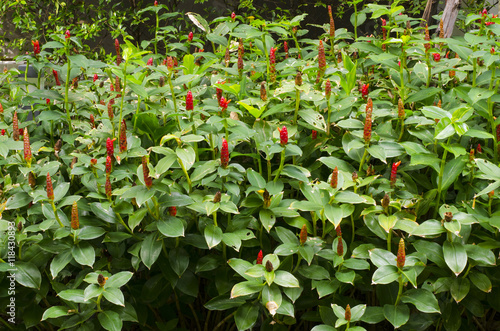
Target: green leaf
[246,288]
[90,232]
[203,170]
[296,172]
[17,201]
[452,170]
[110,320]
[377,152]
[222,302]
[119,279]
[84,253]
[267,219]
[255,179]
[432,251]
[481,281]
[488,168]
[150,250]
[423,94]
[136,218]
[28,275]
[455,256]
[381,257]
[171,227]
[72,295]
[429,228]
[385,275]
[459,288]
[115,296]
[179,260]
[387,222]
[92,291]
[59,262]
[313,118]
[55,312]
[213,235]
[480,254]
[397,315]
[315,272]
[334,214]
[423,299]
[246,316]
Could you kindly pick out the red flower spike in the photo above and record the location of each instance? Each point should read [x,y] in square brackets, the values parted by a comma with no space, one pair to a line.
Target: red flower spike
[92,121]
[321,58]
[36,47]
[111,114]
[427,37]
[332,22]
[328,89]
[492,50]
[189,101]
[401,254]
[50,188]
[155,3]
[436,56]
[47,101]
[107,187]
[117,46]
[170,63]
[484,13]
[110,148]
[479,149]
[15,127]
[367,132]
[145,171]
[340,246]
[224,154]
[75,223]
[190,36]
[314,134]
[172,211]
[27,146]
[401,110]
[260,256]
[334,179]
[1,108]
[93,162]
[3,132]
[394,172]
[108,165]
[303,234]
[56,77]
[285,46]
[272,64]
[150,61]
[283,136]
[223,103]
[233,15]
[123,137]
[95,78]
[338,230]
[67,34]
[364,90]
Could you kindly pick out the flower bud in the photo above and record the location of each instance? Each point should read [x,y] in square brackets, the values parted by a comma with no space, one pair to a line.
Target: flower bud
[224,154]
[298,79]
[123,137]
[189,101]
[401,110]
[150,62]
[354,176]
[190,36]
[67,34]
[347,315]
[155,3]
[36,47]
[332,23]
[448,216]
[107,187]
[328,89]
[93,161]
[321,58]
[223,103]
[111,114]
[394,171]
[161,82]
[31,179]
[334,179]
[15,127]
[386,201]
[75,223]
[283,136]
[217,197]
[401,254]
[172,211]
[364,90]
[110,148]
[267,198]
[27,146]
[263,93]
[170,63]
[340,246]
[314,134]
[427,37]
[233,16]
[101,280]
[92,121]
[479,149]
[269,266]
[50,188]
[285,47]
[303,234]
[436,56]
[272,64]
[227,57]
[109,165]
[367,131]
[260,256]
[148,181]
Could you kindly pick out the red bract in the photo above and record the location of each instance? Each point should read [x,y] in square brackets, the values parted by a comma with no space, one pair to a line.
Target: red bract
[170,63]
[172,211]
[272,64]
[394,171]
[93,161]
[233,15]
[367,131]
[283,136]
[314,134]
[155,3]
[111,115]
[328,89]
[223,103]
[117,46]
[492,50]
[50,188]
[92,121]
[338,230]
[150,61]
[437,57]
[123,137]
[95,78]
[27,146]
[189,100]
[484,12]
[224,154]
[479,149]
[107,187]
[303,234]
[260,256]
[67,34]
[334,179]
[108,165]
[36,47]
[110,148]
[285,47]
[401,254]
[15,127]
[321,58]
[3,132]
[56,77]
[190,36]
[401,110]
[364,90]
[145,171]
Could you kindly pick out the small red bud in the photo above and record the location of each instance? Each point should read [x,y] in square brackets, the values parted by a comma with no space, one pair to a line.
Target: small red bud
[172,211]
[190,36]
[56,77]
[189,101]
[260,256]
[67,34]
[314,134]
[437,57]
[283,136]
[394,172]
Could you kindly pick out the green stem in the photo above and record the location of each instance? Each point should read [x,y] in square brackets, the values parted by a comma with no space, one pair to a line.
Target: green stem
[99,302]
[402,129]
[156,33]
[174,100]
[268,64]
[282,163]
[123,96]
[66,91]
[137,111]
[268,170]
[55,213]
[353,229]
[491,118]
[400,290]
[214,216]
[355,21]
[314,220]
[297,104]
[122,222]
[389,240]
[363,159]
[329,108]
[185,174]
[298,264]
[440,181]
[429,70]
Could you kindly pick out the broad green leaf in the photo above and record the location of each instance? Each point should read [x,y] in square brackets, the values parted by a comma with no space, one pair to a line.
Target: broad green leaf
[55,312]
[110,320]
[334,214]
[387,222]
[451,172]
[246,288]
[255,179]
[385,275]
[84,253]
[171,227]
[267,219]
[119,279]
[423,299]
[115,296]
[455,256]
[397,315]
[381,257]
[246,316]
[72,295]
[27,274]
[481,281]
[60,261]
[150,250]
[459,288]
[179,260]
[315,272]
[213,235]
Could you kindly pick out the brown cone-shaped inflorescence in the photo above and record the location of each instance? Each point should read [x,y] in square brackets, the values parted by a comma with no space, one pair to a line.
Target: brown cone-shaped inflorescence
[340,246]
[448,216]
[401,258]
[241,52]
[303,234]
[31,179]
[27,146]
[75,222]
[110,148]
[332,22]
[107,187]
[427,38]
[227,57]
[298,78]
[267,199]
[123,137]
[50,188]
[217,197]
[441,29]
[269,266]
[367,132]
[401,109]
[101,280]
[148,181]
[354,176]
[347,315]
[109,165]
[321,59]
[334,179]
[370,171]
[263,93]
[15,127]
[111,114]
[386,201]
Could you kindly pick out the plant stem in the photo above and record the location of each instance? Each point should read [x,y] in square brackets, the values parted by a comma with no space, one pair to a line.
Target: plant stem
[185,174]
[400,290]
[297,105]
[440,180]
[363,159]
[123,96]
[55,213]
[389,240]
[66,91]
[329,109]
[174,100]
[282,163]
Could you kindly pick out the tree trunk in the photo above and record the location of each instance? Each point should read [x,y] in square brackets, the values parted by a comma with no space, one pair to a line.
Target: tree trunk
[450,16]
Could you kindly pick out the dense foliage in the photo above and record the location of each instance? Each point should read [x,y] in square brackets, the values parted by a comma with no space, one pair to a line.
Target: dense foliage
[346,183]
